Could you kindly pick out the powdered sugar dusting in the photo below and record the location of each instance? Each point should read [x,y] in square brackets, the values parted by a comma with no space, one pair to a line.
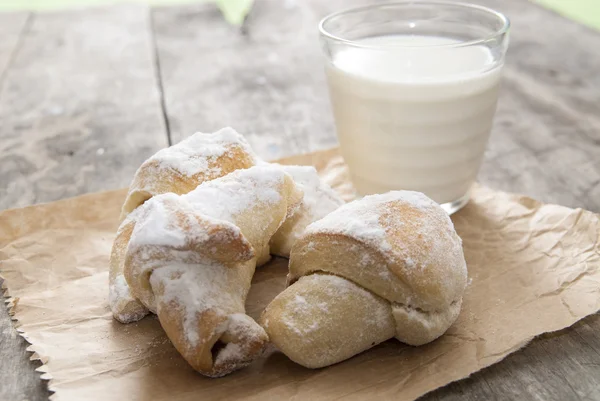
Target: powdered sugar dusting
[300,300]
[304,314]
[119,291]
[336,286]
[366,259]
[196,288]
[155,224]
[221,199]
[195,153]
[190,280]
[226,197]
[300,306]
[319,198]
[244,329]
[358,219]
[231,352]
[405,226]
[362,219]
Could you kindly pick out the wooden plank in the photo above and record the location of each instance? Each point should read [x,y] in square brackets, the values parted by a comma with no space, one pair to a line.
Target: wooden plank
[80,111]
[545,141]
[266,81]
[19,381]
[555,366]
[16,371]
[546,137]
[80,105]
[545,131]
[12,26]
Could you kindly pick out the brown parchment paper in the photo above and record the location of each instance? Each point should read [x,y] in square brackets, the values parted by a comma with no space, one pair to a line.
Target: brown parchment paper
[533,268]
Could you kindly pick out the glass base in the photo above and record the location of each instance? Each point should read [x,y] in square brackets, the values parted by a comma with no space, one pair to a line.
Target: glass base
[455,206]
[449,207]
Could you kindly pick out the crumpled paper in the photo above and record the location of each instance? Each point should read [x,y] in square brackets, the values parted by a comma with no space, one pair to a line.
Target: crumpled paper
[533,268]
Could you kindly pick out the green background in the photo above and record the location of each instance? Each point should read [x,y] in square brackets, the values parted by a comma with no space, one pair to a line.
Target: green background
[584,11]
[234,11]
[43,5]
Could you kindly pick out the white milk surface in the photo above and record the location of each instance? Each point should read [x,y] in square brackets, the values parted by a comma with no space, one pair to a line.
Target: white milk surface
[413,115]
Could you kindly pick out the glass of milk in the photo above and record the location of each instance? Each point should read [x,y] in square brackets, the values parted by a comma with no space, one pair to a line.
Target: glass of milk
[414,86]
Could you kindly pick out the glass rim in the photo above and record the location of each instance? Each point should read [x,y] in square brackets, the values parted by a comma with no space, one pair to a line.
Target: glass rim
[501,17]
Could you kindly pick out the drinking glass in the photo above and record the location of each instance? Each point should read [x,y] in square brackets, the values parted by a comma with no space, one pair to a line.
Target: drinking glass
[413,87]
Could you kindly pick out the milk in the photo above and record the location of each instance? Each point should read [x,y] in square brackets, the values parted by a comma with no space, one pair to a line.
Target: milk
[416,117]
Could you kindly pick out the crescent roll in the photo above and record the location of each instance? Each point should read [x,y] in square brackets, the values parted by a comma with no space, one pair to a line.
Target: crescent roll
[383,266]
[319,200]
[177,169]
[191,259]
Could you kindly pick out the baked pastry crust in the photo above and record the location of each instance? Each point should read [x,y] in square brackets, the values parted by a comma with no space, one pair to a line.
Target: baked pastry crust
[177,169]
[319,200]
[384,266]
[191,259]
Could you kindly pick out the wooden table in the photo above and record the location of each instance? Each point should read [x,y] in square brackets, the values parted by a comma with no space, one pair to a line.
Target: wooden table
[87,95]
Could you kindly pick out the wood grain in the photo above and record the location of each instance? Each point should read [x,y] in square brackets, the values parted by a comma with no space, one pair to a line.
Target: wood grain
[18,380]
[17,377]
[79,105]
[84,81]
[544,143]
[555,366]
[80,110]
[546,137]
[12,26]
[266,81]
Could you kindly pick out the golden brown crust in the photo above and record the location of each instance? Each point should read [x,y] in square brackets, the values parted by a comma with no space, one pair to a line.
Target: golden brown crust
[191,259]
[319,200]
[323,319]
[124,306]
[178,169]
[420,266]
[153,178]
[394,255]
[217,328]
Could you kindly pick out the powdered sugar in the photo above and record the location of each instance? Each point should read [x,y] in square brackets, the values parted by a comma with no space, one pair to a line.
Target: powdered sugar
[220,200]
[385,274]
[119,291]
[319,198]
[416,199]
[228,196]
[195,153]
[414,235]
[191,280]
[231,352]
[313,311]
[335,286]
[363,219]
[304,314]
[366,259]
[155,224]
[379,317]
[300,300]
[358,219]
[196,288]
[242,328]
